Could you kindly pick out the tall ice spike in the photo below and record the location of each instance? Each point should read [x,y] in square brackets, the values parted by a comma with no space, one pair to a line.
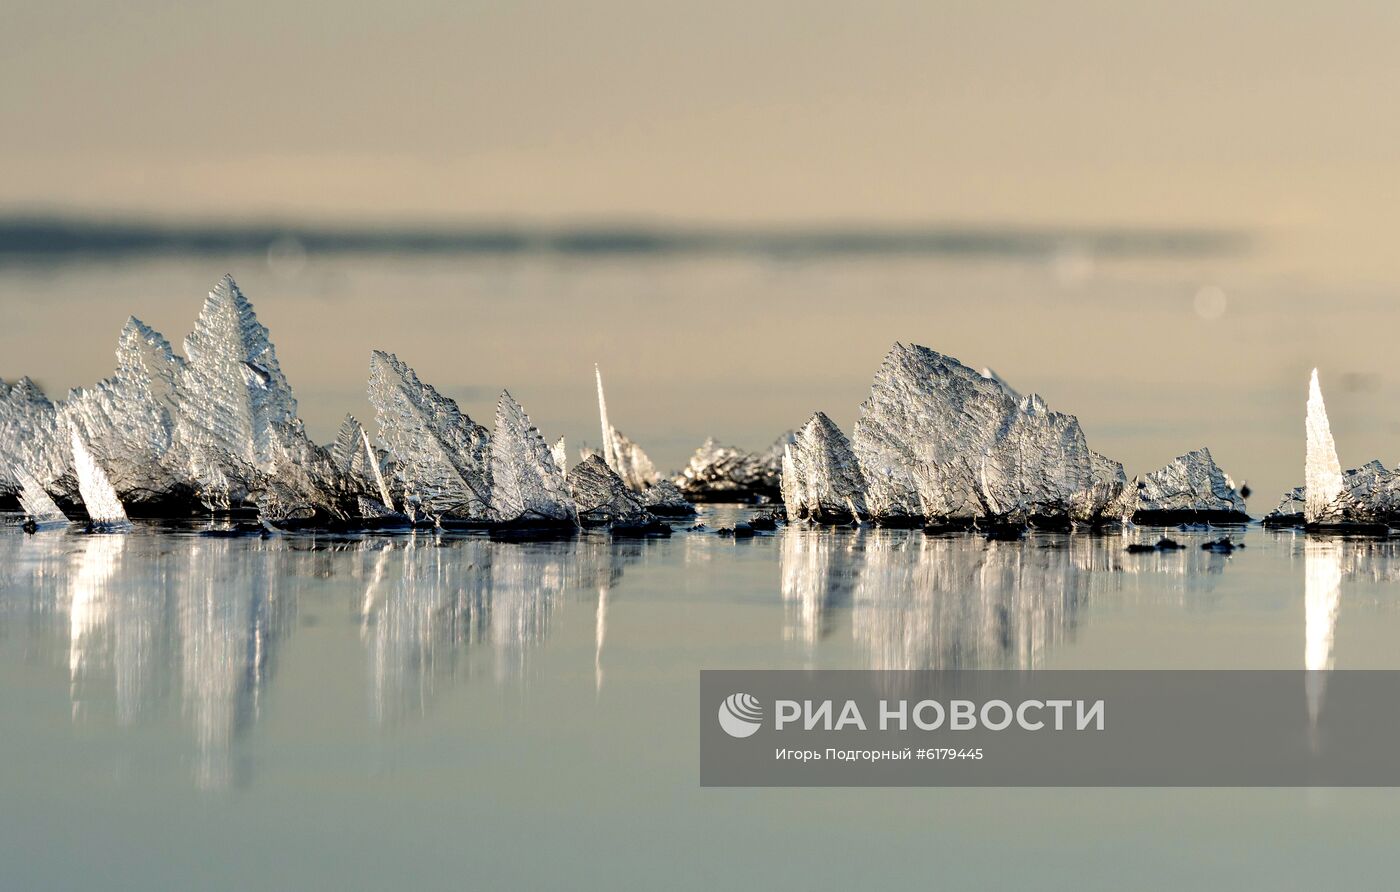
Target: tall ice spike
[1323,471]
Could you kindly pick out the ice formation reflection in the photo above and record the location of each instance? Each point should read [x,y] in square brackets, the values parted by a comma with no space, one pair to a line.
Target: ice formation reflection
[185,631]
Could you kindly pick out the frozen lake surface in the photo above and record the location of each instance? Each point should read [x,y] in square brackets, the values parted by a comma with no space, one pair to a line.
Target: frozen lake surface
[440,711]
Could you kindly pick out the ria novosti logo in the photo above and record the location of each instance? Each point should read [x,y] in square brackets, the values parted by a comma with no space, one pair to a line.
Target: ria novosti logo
[740,715]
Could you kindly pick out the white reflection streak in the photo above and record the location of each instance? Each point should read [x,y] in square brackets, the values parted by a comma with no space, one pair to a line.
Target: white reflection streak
[90,602]
[1321,602]
[600,633]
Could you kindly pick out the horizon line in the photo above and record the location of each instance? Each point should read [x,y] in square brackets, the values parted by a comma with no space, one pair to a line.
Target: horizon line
[62,236]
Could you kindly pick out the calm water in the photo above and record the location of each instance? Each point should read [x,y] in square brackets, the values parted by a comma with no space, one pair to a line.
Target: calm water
[440,711]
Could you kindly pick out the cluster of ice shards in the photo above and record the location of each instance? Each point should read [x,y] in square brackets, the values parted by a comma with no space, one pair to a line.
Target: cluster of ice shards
[128,422]
[218,429]
[718,473]
[1368,496]
[937,441]
[169,435]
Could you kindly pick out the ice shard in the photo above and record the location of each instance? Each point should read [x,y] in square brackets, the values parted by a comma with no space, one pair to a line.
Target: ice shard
[822,480]
[560,451]
[441,457]
[1190,488]
[128,423]
[38,505]
[305,488]
[937,439]
[99,497]
[998,380]
[1036,464]
[1290,509]
[603,498]
[356,459]
[620,453]
[372,460]
[346,450]
[663,499]
[31,438]
[1322,483]
[527,488]
[237,415]
[1107,498]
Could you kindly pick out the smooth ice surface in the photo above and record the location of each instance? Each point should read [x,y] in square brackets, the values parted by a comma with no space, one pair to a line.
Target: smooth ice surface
[441,457]
[1323,472]
[179,702]
[526,483]
[99,497]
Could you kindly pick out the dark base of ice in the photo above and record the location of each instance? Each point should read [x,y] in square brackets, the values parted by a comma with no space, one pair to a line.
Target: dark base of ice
[102,527]
[157,506]
[755,496]
[1003,532]
[237,531]
[672,511]
[1163,544]
[453,523]
[320,523]
[1349,529]
[1222,545]
[836,518]
[1172,518]
[940,525]
[655,529]
[767,523]
[901,523]
[533,531]
[1283,521]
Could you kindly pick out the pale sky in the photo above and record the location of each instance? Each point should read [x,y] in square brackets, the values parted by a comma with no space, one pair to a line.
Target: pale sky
[1274,116]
